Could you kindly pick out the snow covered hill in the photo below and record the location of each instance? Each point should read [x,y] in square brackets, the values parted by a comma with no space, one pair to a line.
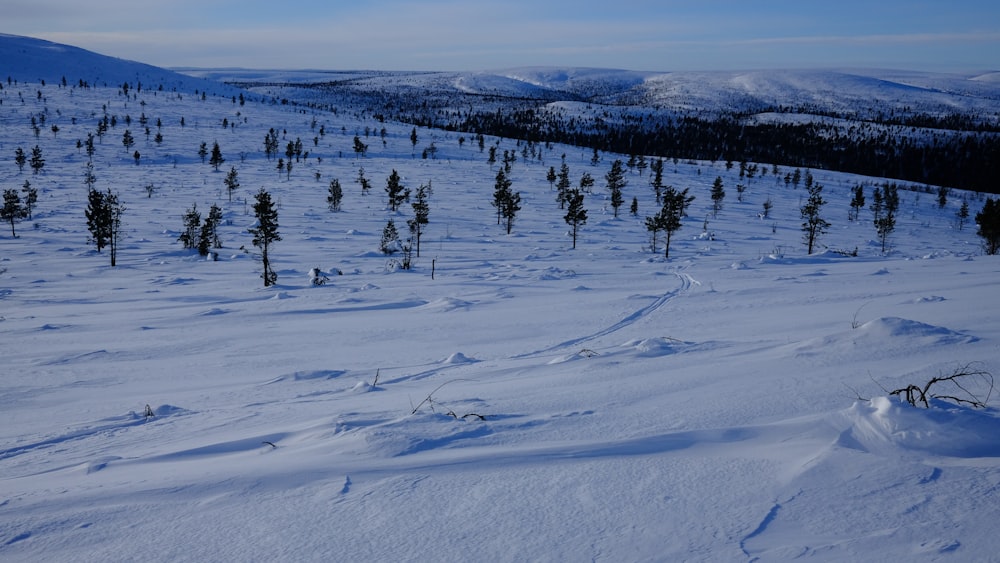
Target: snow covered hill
[28,59]
[855,92]
[509,398]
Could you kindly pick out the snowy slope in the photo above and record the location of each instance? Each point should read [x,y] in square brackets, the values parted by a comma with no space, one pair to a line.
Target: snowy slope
[29,59]
[510,398]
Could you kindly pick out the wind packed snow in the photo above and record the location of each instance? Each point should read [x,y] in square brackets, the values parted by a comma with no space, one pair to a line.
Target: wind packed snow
[529,402]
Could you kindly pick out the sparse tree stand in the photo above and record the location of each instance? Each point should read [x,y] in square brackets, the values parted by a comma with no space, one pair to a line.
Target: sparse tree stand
[812,224]
[265,233]
[576,215]
[989,226]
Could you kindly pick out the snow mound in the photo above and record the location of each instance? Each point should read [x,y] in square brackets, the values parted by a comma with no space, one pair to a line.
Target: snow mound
[884,425]
[458,358]
[654,347]
[884,336]
[895,327]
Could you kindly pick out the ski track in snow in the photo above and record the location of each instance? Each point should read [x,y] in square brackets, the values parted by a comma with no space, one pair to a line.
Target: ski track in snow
[642,313]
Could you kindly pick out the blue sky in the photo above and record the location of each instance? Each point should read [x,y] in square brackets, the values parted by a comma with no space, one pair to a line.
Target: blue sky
[660,35]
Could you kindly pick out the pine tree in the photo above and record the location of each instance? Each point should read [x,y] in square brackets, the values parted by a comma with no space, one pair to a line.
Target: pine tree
[37,162]
[508,203]
[562,185]
[30,197]
[657,180]
[360,149]
[616,182]
[857,202]
[192,224]
[576,215]
[203,151]
[551,177]
[208,238]
[397,194]
[128,140]
[989,225]
[813,225]
[232,182]
[97,220]
[216,160]
[421,214]
[963,214]
[718,194]
[586,182]
[12,210]
[265,233]
[675,204]
[390,238]
[20,159]
[335,195]
[501,191]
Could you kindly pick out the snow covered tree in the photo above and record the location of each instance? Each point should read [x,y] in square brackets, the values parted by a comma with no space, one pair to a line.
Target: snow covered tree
[576,215]
[989,225]
[616,181]
[812,224]
[396,192]
[390,238]
[335,194]
[13,210]
[265,233]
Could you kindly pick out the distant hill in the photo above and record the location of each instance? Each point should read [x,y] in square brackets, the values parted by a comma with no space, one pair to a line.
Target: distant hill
[28,59]
[861,93]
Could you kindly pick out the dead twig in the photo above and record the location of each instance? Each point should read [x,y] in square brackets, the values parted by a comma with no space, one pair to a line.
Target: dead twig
[914,394]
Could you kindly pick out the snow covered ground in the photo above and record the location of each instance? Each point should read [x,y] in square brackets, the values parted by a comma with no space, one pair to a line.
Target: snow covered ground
[532,402]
